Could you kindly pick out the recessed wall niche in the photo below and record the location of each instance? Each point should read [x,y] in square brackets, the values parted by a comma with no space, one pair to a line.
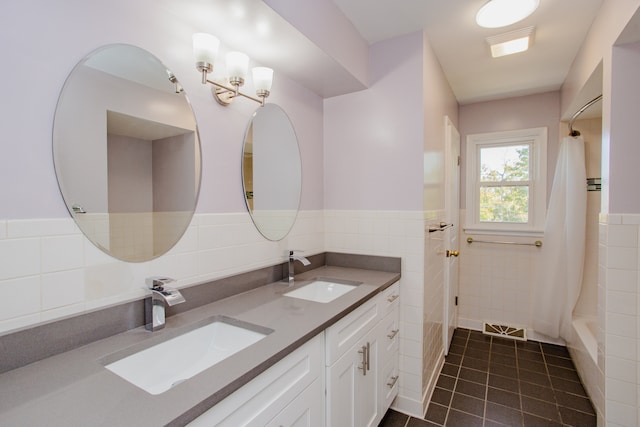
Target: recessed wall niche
[149,166]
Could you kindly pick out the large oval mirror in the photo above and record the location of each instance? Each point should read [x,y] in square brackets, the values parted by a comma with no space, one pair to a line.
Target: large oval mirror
[127,153]
[271,172]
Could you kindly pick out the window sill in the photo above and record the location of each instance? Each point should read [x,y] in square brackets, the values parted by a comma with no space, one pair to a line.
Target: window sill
[503,232]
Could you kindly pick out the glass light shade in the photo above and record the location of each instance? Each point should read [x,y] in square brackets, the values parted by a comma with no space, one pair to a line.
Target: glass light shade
[262,78]
[500,13]
[205,47]
[237,64]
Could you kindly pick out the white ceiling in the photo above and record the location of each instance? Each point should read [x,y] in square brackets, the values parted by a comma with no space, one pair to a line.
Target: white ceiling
[461,47]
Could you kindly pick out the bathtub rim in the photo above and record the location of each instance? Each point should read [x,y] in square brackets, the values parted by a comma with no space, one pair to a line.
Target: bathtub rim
[584,335]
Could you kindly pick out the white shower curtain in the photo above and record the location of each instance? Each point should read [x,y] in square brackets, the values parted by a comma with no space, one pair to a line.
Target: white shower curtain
[560,272]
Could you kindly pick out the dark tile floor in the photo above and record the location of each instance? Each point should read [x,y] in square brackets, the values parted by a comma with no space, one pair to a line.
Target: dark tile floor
[490,381]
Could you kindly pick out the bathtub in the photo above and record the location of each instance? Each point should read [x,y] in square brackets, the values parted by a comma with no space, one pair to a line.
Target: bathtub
[583,348]
[586,331]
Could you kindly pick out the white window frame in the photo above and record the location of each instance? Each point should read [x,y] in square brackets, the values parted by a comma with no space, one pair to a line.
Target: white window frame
[537,139]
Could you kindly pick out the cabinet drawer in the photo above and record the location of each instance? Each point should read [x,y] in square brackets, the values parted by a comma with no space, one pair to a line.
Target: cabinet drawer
[390,298]
[389,384]
[347,331]
[390,335]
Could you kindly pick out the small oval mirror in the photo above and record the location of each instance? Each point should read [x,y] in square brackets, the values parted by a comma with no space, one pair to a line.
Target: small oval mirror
[127,152]
[271,172]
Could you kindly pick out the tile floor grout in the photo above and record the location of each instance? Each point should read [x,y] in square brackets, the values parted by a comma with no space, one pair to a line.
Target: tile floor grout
[544,397]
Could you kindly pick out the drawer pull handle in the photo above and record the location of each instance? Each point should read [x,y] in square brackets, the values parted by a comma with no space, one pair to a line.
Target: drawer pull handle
[368,356]
[393,334]
[393,382]
[393,297]
[364,351]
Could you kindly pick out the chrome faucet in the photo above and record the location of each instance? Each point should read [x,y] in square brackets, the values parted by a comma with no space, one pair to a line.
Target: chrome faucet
[161,294]
[292,258]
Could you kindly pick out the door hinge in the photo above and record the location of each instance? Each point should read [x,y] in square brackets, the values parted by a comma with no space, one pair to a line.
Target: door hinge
[456,303]
[458,160]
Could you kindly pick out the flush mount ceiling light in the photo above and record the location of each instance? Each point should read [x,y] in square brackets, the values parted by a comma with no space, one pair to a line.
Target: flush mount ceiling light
[511,42]
[500,13]
[205,50]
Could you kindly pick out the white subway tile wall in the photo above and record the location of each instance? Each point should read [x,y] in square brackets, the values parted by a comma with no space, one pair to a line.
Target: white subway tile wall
[19,257]
[62,288]
[49,270]
[62,253]
[496,281]
[619,318]
[21,297]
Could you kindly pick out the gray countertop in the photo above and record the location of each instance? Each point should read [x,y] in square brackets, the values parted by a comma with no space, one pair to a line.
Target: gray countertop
[74,388]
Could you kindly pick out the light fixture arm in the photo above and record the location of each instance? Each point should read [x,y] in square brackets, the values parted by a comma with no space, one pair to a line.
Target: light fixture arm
[234,92]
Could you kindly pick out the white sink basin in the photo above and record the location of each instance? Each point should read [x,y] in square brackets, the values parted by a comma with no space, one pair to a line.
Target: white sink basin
[321,290]
[158,368]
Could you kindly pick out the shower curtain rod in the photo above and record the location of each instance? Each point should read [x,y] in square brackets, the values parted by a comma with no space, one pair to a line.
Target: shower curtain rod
[580,111]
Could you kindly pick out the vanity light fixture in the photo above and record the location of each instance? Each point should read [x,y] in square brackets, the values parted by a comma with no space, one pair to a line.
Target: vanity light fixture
[500,13]
[205,50]
[511,42]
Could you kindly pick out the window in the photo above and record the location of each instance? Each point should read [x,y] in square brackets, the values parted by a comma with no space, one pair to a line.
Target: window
[506,182]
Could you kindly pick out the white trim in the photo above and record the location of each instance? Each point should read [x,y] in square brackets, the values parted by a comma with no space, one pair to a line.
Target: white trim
[494,232]
[537,138]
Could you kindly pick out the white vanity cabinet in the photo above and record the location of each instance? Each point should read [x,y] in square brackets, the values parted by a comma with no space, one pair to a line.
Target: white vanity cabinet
[345,376]
[290,393]
[362,362]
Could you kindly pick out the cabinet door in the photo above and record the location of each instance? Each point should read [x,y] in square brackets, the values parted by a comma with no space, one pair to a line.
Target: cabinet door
[341,379]
[388,334]
[352,386]
[370,385]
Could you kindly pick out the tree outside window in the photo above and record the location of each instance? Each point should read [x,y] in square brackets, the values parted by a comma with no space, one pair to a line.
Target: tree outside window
[506,182]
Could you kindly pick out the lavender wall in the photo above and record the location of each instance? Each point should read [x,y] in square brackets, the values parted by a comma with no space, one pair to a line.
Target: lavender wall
[612,17]
[342,41]
[624,150]
[439,101]
[608,26]
[130,174]
[174,173]
[374,138]
[542,110]
[60,34]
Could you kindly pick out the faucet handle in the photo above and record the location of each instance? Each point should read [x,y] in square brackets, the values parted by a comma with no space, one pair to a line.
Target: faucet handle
[158,285]
[158,281]
[300,258]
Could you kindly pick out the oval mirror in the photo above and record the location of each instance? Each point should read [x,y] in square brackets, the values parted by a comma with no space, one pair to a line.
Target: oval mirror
[271,172]
[127,153]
